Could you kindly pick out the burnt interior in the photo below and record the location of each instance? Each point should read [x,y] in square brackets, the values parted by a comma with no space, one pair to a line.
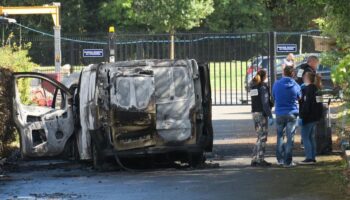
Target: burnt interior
[31,118]
[38,136]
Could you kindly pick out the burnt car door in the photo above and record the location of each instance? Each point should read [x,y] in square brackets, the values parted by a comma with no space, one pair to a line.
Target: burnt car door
[42,114]
[132,107]
[175,101]
[204,74]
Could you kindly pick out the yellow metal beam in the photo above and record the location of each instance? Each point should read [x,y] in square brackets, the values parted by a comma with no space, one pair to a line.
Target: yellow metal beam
[54,10]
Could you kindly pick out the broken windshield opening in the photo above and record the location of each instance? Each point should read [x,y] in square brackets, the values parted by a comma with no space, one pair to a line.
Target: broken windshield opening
[180,82]
[172,83]
[133,91]
[38,92]
[143,91]
[123,92]
[163,83]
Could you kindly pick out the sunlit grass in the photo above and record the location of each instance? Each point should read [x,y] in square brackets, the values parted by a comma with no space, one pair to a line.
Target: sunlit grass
[228,76]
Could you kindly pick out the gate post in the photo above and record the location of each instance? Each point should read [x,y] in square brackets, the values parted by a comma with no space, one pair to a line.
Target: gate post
[272,56]
[111,44]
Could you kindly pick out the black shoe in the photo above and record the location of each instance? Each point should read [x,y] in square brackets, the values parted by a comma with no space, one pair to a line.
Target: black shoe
[262,163]
[308,162]
[254,163]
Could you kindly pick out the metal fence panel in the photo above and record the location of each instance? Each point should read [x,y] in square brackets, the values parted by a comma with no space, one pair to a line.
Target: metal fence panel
[233,57]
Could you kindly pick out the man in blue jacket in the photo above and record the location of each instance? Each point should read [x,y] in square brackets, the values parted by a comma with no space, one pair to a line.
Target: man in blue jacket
[286,93]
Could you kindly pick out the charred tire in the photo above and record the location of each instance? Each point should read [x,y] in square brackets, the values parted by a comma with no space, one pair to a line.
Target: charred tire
[71,151]
[196,159]
[22,156]
[97,156]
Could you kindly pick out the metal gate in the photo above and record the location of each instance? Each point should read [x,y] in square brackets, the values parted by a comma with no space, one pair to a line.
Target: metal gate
[233,58]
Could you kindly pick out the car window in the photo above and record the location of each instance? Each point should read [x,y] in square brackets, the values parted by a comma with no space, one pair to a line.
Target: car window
[162,82]
[92,86]
[35,92]
[59,99]
[323,68]
[180,82]
[123,91]
[279,61]
[265,63]
[143,91]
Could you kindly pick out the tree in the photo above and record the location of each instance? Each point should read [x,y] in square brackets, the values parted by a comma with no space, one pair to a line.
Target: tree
[336,24]
[264,15]
[12,59]
[294,15]
[238,16]
[163,15]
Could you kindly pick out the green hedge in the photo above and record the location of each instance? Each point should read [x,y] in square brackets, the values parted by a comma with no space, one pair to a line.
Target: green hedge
[12,59]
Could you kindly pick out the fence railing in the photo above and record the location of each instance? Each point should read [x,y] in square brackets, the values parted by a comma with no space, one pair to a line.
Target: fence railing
[233,57]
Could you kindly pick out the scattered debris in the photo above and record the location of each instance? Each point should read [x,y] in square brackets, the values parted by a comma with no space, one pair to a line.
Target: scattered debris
[56,195]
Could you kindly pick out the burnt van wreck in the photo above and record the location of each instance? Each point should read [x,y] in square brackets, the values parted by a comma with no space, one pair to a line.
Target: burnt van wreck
[123,109]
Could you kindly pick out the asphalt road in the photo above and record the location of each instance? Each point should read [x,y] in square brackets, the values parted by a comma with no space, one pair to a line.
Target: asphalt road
[233,179]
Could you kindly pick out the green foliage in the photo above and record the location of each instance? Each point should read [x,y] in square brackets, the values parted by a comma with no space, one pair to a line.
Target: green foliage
[16,59]
[118,13]
[331,58]
[294,15]
[159,15]
[73,15]
[336,22]
[341,75]
[264,15]
[238,16]
[80,16]
[7,128]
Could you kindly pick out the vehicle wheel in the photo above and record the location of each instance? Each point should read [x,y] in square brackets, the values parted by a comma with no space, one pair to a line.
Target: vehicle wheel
[97,157]
[21,155]
[196,159]
[71,151]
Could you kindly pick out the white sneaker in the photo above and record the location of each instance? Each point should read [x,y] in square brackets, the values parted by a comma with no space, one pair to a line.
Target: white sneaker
[292,164]
[280,163]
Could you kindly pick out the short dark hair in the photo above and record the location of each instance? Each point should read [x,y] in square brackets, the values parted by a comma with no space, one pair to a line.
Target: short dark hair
[311,58]
[288,71]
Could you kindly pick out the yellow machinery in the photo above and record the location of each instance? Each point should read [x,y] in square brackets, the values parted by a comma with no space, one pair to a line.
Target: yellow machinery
[53,10]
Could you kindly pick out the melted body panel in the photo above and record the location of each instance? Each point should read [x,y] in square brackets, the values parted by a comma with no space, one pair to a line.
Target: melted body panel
[44,131]
[148,104]
[126,107]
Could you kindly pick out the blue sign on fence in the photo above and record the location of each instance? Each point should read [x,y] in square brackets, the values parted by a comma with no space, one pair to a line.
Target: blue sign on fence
[92,53]
[286,48]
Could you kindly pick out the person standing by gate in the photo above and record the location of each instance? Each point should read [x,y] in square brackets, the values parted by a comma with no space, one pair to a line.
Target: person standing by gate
[289,60]
[262,116]
[286,93]
[310,114]
[310,66]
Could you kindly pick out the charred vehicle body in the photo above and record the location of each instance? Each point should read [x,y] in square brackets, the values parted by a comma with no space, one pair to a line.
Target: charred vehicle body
[130,108]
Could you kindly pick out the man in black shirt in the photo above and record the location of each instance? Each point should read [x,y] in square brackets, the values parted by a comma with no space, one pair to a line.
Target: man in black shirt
[310,66]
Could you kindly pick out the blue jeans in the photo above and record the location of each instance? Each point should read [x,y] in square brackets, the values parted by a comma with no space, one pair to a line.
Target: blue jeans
[308,135]
[286,125]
